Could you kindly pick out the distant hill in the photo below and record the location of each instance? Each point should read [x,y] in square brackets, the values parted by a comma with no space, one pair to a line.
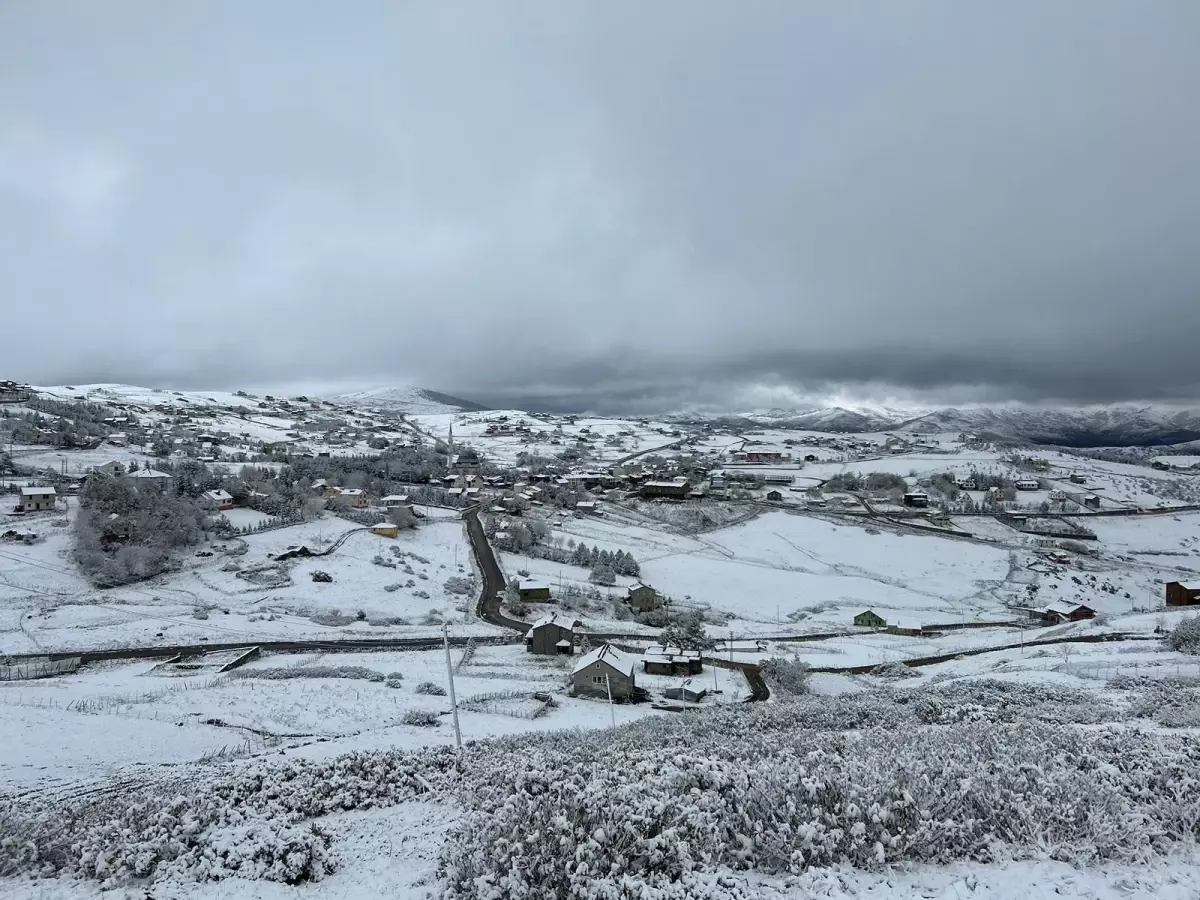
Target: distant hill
[410,400]
[1124,425]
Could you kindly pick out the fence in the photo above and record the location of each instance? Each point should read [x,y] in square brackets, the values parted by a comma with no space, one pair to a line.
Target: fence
[28,669]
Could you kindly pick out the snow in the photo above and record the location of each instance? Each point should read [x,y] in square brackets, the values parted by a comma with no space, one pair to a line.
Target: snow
[45,604]
[778,574]
[407,400]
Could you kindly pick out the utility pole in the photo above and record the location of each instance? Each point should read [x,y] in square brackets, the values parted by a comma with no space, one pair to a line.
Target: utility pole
[450,678]
[612,712]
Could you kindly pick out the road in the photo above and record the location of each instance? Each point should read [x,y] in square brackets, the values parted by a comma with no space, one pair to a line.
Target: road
[488,608]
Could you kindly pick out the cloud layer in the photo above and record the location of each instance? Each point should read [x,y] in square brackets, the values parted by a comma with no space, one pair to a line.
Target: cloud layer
[606,205]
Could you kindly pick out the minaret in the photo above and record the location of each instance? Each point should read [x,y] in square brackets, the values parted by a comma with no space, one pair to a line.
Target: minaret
[450,461]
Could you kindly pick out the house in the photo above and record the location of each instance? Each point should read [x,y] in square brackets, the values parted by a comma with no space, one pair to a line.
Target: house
[870,619]
[218,499]
[393,501]
[1078,478]
[904,628]
[642,597]
[1052,615]
[604,672]
[534,592]
[116,529]
[1091,501]
[766,457]
[112,468]
[688,692]
[1178,595]
[385,529]
[355,498]
[661,660]
[1027,484]
[151,478]
[670,490]
[916,499]
[967,484]
[1058,496]
[552,635]
[967,437]
[774,496]
[586,506]
[810,457]
[36,499]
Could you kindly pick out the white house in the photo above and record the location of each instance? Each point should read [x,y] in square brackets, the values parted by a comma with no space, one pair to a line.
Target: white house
[393,500]
[218,499]
[36,499]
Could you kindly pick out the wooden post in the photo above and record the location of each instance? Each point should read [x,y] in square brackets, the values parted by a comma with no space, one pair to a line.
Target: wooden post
[611,711]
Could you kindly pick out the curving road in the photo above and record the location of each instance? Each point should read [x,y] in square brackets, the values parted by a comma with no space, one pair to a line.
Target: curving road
[488,607]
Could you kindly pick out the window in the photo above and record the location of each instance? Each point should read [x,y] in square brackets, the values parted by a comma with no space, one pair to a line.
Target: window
[597,679]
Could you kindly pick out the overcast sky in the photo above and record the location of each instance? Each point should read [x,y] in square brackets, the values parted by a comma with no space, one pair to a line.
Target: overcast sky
[606,205]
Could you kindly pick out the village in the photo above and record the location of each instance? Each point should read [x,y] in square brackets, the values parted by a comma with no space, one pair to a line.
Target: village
[234,576]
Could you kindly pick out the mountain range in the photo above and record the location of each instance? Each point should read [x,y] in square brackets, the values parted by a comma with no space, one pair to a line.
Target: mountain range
[1091,426]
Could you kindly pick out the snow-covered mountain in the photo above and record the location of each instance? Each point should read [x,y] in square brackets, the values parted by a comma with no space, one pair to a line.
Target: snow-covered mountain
[1089,426]
[409,400]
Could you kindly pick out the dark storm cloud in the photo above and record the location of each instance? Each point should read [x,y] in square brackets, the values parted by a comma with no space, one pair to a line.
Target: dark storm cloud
[606,206]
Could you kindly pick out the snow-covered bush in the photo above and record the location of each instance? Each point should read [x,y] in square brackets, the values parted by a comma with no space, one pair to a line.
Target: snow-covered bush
[661,806]
[457,584]
[430,688]
[423,718]
[789,676]
[247,821]
[1185,637]
[584,819]
[894,670]
[284,673]
[393,679]
[1171,702]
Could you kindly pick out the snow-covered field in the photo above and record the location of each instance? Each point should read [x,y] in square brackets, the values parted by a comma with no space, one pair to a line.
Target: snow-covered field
[772,575]
[45,604]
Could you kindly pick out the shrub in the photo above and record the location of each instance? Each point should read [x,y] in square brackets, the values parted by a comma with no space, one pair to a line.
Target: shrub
[893,670]
[1185,637]
[393,679]
[457,584]
[430,688]
[787,675]
[333,618]
[283,674]
[422,718]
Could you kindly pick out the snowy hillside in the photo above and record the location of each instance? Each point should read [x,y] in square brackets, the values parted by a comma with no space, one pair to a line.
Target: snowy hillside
[408,400]
[145,396]
[1091,426]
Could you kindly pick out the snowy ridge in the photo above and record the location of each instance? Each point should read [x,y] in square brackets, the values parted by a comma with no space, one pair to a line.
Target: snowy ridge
[409,400]
[1086,426]
[143,396]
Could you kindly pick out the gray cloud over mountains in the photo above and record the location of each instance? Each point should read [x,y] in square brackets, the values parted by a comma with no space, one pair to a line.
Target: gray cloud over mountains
[606,205]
